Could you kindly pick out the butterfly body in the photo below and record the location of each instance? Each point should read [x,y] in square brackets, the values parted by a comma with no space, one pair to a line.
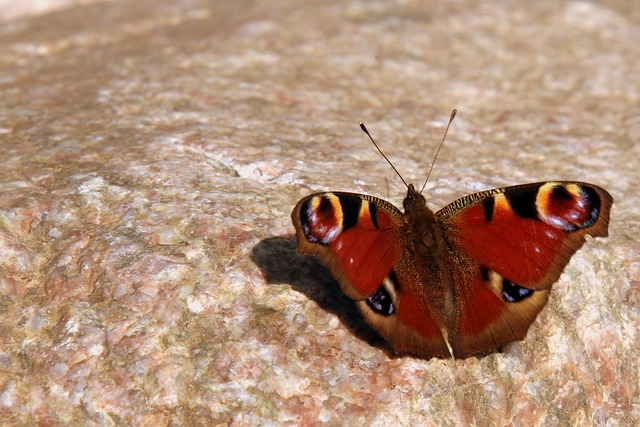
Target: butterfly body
[464,280]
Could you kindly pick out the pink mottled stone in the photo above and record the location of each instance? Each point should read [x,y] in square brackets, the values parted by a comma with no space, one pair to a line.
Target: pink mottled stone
[151,153]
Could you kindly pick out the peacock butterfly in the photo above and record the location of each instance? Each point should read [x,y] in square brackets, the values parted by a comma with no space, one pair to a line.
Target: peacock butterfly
[461,281]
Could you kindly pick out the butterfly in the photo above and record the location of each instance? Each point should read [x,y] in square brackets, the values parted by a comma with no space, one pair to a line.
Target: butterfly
[464,280]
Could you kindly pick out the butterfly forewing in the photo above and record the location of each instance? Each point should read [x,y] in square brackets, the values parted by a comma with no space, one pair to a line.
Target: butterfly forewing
[527,233]
[357,238]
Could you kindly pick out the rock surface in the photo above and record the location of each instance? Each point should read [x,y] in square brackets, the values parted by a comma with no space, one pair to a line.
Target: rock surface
[151,153]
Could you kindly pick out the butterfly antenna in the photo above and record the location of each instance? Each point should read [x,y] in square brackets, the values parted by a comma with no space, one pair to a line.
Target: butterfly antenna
[453,115]
[364,129]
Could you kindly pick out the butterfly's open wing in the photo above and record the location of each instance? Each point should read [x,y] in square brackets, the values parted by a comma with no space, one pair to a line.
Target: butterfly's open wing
[359,239]
[506,248]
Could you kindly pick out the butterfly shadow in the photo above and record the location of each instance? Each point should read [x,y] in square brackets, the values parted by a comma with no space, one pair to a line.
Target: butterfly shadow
[279,263]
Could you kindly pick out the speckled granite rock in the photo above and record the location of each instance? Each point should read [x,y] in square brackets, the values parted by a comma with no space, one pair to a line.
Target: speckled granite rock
[151,152]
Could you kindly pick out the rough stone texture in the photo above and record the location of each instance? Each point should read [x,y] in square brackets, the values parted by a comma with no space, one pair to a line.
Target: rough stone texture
[151,152]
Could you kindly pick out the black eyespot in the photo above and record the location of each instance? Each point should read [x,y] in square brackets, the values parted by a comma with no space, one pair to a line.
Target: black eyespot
[514,293]
[381,302]
[561,194]
[324,207]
